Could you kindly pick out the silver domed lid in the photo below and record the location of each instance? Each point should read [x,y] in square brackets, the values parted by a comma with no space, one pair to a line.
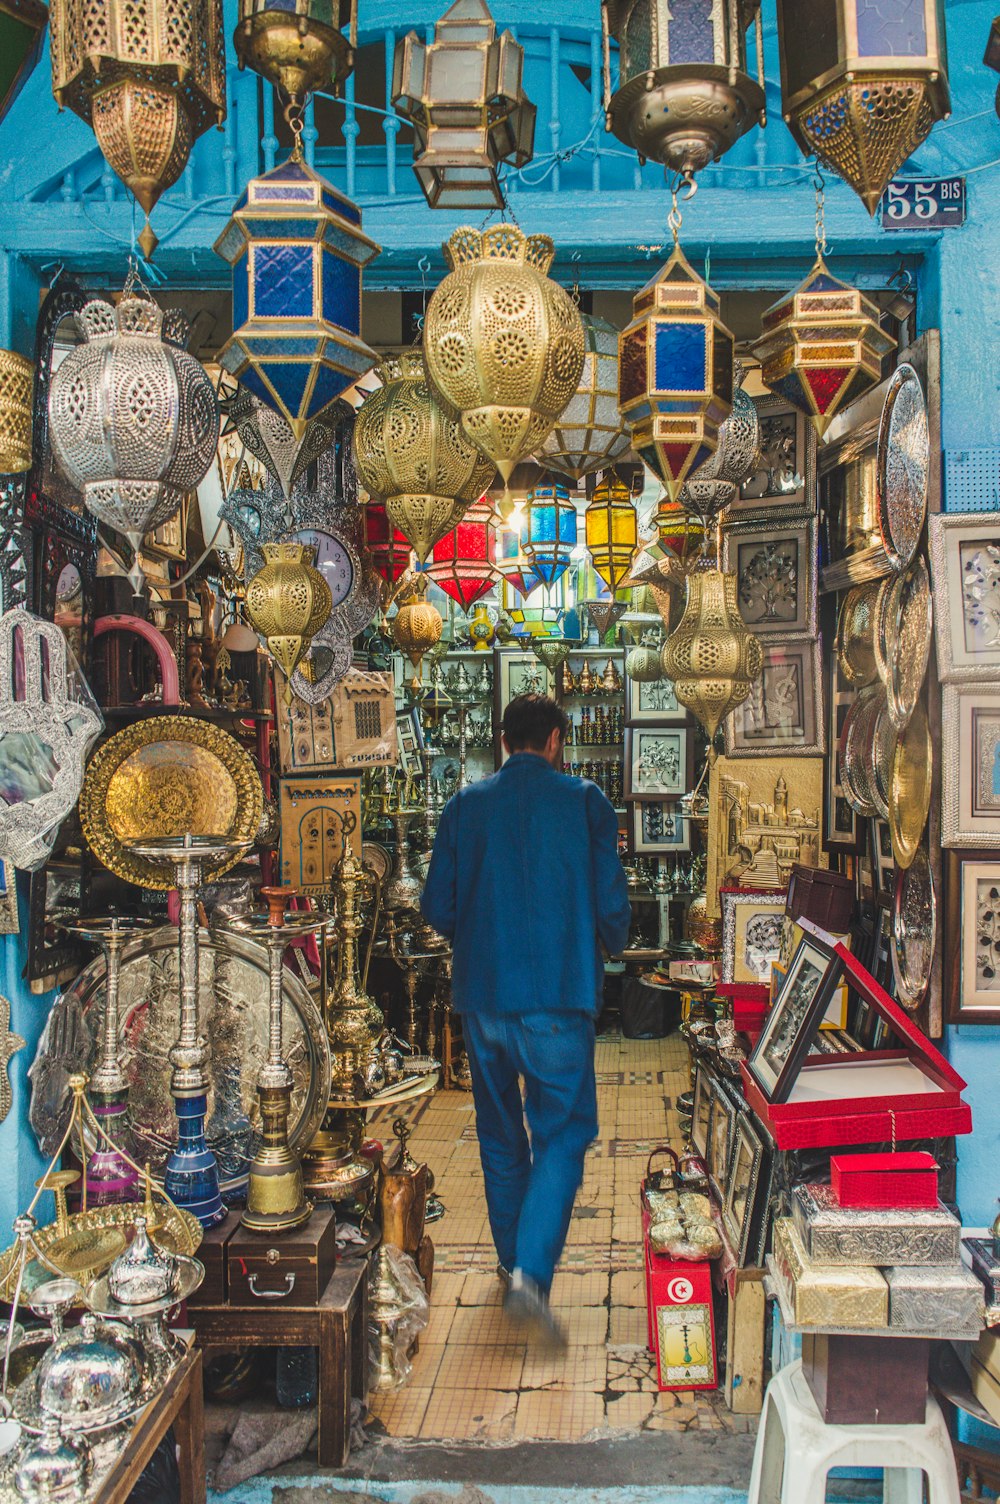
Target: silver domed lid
[144,1273]
[53,1467]
[91,1376]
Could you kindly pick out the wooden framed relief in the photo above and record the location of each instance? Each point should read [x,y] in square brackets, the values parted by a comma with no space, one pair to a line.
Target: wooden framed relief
[784,710]
[317,814]
[774,560]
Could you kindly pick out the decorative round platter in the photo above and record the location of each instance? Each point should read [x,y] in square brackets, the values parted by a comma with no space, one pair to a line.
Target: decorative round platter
[880,625]
[910,789]
[855,634]
[171,775]
[902,466]
[855,771]
[376,860]
[878,753]
[909,640]
[914,929]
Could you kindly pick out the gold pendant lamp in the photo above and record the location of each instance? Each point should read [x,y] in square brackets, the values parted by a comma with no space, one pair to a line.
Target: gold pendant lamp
[711,657]
[288,600]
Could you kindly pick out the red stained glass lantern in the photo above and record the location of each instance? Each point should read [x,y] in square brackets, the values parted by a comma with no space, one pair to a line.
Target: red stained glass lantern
[463,563]
[512,563]
[388,548]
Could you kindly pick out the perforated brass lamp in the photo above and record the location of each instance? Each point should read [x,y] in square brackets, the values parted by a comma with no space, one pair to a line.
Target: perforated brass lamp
[612,530]
[711,657]
[862,84]
[298,45]
[463,95]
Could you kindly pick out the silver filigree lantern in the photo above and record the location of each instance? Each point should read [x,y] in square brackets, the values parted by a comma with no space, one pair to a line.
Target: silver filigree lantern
[590,433]
[713,485]
[133,418]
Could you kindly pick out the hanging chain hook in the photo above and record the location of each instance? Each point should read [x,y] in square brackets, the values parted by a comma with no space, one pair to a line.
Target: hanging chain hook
[674,218]
[294,117]
[423,267]
[819,185]
[680,180]
[576,258]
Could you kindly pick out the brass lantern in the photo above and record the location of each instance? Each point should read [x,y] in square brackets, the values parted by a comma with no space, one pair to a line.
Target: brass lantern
[297,45]
[416,627]
[685,96]
[589,433]
[17,381]
[862,84]
[710,656]
[503,343]
[149,79]
[462,94]
[413,456]
[287,602]
[612,530]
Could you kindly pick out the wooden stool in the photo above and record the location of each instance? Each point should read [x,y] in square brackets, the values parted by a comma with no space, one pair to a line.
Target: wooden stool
[337,1326]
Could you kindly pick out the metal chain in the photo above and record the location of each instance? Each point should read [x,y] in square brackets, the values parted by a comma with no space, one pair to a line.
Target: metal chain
[294,116]
[819,184]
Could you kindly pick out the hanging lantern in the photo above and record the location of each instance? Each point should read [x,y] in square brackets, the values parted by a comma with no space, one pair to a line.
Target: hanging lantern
[713,485]
[416,627]
[266,435]
[464,559]
[387,547]
[604,615]
[462,94]
[612,530]
[503,342]
[644,663]
[288,601]
[821,346]
[414,457]
[17,381]
[148,78]
[550,526]
[675,380]
[512,563]
[685,96]
[862,84]
[589,432]
[297,45]
[133,419]
[297,252]
[711,657]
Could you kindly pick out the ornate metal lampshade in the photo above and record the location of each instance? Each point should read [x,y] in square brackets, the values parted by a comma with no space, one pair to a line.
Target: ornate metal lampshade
[550,529]
[675,380]
[22,26]
[463,563]
[685,96]
[612,530]
[17,381]
[512,563]
[266,435]
[288,601]
[503,343]
[463,95]
[821,346]
[297,253]
[416,627]
[133,418]
[589,433]
[713,485]
[711,657]
[297,45]
[414,457]
[149,79]
[862,84]
[388,548]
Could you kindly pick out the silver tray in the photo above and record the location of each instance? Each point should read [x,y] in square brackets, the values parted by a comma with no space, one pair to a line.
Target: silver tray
[902,466]
[191,1276]
[914,929]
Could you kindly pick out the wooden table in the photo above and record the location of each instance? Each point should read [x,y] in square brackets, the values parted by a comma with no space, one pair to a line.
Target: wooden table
[337,1326]
[179,1405]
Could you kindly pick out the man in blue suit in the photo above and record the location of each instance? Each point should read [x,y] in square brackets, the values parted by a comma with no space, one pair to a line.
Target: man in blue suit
[526,882]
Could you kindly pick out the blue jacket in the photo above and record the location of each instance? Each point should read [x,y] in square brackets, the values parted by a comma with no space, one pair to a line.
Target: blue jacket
[525,881]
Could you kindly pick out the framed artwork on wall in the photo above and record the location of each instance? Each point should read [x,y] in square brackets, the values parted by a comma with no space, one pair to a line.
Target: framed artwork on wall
[658,827]
[651,704]
[786,464]
[314,825]
[516,672]
[764,816]
[970,777]
[751,934]
[965,572]
[747,1190]
[972,937]
[784,710]
[656,762]
[777,576]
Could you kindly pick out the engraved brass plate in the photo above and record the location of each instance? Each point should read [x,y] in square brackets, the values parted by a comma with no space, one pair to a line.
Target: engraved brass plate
[910,789]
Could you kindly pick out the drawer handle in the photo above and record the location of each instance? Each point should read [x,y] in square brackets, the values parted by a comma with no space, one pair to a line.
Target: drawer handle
[271,1294]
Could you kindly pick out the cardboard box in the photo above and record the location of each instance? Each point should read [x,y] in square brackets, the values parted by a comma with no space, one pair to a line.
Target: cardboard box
[680,1319]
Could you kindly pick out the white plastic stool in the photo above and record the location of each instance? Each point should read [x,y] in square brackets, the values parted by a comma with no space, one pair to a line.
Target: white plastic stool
[796,1449]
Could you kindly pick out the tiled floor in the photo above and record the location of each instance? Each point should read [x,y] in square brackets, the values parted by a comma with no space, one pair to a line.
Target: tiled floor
[472,1380]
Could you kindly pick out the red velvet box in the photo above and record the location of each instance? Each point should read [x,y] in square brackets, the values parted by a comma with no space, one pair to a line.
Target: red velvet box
[680,1318]
[751,1001]
[877,1180]
[870,1097]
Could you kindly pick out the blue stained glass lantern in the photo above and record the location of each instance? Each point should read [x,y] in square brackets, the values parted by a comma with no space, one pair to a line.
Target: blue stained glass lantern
[675,372]
[550,526]
[297,252]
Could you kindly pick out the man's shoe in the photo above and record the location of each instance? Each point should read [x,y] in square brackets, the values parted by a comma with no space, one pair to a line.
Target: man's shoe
[527,1305]
[503,1275]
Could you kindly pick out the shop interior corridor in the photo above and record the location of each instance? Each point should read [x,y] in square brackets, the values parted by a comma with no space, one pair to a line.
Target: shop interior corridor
[473,1380]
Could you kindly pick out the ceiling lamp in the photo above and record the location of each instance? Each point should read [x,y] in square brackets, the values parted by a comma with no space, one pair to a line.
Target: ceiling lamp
[605,614]
[288,600]
[685,96]
[464,559]
[713,485]
[297,45]
[550,527]
[512,563]
[148,78]
[388,548]
[267,436]
[862,83]
[675,381]
[296,249]
[710,656]
[462,94]
[413,456]
[416,626]
[589,433]
[612,530]
[503,342]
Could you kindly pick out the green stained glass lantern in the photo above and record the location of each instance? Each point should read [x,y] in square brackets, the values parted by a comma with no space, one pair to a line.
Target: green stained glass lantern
[612,530]
[675,376]
[297,252]
[550,528]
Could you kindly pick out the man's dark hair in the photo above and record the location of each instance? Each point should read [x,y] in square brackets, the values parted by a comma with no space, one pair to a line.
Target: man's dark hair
[530,720]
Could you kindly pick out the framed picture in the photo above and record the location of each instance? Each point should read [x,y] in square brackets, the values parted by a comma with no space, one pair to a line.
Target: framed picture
[784,710]
[751,934]
[305,733]
[793,1020]
[777,575]
[656,762]
[970,780]
[651,704]
[972,937]
[786,466]
[721,1127]
[409,743]
[965,570]
[741,1207]
[313,814]
[516,672]
[658,827]
[764,816]
[701,1109]
[883,863]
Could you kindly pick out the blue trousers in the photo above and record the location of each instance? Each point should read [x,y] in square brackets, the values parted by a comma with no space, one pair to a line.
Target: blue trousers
[530,1188]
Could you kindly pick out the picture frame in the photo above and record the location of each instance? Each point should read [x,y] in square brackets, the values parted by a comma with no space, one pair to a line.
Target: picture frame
[516,672]
[657,762]
[965,577]
[701,1109]
[721,1127]
[783,712]
[658,827]
[652,704]
[314,815]
[765,814]
[774,558]
[882,859]
[972,936]
[741,1204]
[970,780]
[794,1018]
[409,744]
[785,474]
[751,934]
[305,733]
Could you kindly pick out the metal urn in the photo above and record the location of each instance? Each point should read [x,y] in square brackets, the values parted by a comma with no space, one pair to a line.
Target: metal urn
[297,45]
[53,1468]
[144,1273]
[711,657]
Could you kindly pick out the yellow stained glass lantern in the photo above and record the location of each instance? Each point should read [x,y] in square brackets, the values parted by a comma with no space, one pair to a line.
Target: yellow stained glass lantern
[675,380]
[463,95]
[298,45]
[711,657]
[612,530]
[862,83]
[589,433]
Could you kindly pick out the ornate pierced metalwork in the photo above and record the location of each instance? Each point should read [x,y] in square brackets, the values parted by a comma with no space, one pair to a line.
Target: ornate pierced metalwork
[257,515]
[17,378]
[269,438]
[589,433]
[612,529]
[10,1043]
[713,484]
[416,627]
[297,45]
[711,657]
[12,572]
[288,601]
[503,343]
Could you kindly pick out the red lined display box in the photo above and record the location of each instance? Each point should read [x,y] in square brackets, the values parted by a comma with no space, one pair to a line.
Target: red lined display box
[680,1318]
[870,1181]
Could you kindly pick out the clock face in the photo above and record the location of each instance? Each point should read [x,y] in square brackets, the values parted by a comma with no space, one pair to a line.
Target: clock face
[332,560]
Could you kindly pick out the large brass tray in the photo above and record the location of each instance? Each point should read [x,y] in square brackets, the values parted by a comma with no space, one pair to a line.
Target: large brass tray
[910,789]
[169,776]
